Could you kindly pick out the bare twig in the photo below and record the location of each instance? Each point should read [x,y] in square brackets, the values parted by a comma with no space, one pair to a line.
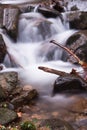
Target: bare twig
[83,64]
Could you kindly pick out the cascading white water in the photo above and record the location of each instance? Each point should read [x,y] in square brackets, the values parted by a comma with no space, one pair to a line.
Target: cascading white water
[33,49]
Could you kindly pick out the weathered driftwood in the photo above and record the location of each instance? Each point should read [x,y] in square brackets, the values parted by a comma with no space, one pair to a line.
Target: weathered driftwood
[73,72]
[53,71]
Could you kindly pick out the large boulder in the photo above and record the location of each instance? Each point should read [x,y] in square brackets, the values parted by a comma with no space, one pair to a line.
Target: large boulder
[78,44]
[7,116]
[8,82]
[23,95]
[77,19]
[69,84]
[2,49]
[10,21]
[48,13]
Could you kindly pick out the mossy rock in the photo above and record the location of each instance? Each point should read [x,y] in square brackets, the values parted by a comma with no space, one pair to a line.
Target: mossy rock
[7,116]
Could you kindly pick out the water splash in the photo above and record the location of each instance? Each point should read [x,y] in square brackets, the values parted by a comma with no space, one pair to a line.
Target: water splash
[30,54]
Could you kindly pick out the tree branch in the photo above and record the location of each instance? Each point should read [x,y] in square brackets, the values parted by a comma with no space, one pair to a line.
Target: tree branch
[53,71]
[83,64]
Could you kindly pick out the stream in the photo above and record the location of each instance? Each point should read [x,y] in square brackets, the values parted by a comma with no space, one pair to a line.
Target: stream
[33,49]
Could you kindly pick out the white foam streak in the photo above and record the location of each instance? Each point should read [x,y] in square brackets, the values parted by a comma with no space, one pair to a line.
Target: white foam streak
[16,2]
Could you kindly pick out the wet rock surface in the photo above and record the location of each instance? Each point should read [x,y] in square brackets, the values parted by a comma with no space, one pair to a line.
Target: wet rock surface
[1,17]
[69,84]
[70,113]
[3,94]
[22,96]
[12,96]
[7,116]
[8,81]
[49,13]
[78,44]
[2,49]
[10,21]
[77,20]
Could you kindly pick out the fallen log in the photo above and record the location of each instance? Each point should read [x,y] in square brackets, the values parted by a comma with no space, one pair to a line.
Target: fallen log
[53,71]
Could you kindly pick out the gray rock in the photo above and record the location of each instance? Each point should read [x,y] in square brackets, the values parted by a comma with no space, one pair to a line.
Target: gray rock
[3,94]
[73,8]
[24,97]
[78,44]
[7,116]
[69,83]
[77,19]
[10,21]
[8,81]
[1,17]
[47,12]
[2,49]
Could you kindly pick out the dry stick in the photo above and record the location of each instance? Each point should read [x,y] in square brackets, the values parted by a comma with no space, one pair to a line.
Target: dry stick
[53,71]
[83,64]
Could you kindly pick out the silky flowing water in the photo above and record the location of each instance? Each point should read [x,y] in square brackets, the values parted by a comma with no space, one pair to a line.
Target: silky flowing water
[33,49]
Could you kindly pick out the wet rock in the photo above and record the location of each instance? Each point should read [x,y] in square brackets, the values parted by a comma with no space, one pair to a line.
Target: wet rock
[8,82]
[56,124]
[47,12]
[77,20]
[42,25]
[73,8]
[69,84]
[25,96]
[10,21]
[1,17]
[27,9]
[2,49]
[58,5]
[7,116]
[49,52]
[78,44]
[3,94]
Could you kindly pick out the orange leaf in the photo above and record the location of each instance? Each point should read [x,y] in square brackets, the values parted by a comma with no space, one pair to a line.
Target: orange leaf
[19,114]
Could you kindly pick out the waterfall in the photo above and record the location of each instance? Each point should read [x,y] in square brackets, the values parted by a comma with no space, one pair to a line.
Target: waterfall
[33,49]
